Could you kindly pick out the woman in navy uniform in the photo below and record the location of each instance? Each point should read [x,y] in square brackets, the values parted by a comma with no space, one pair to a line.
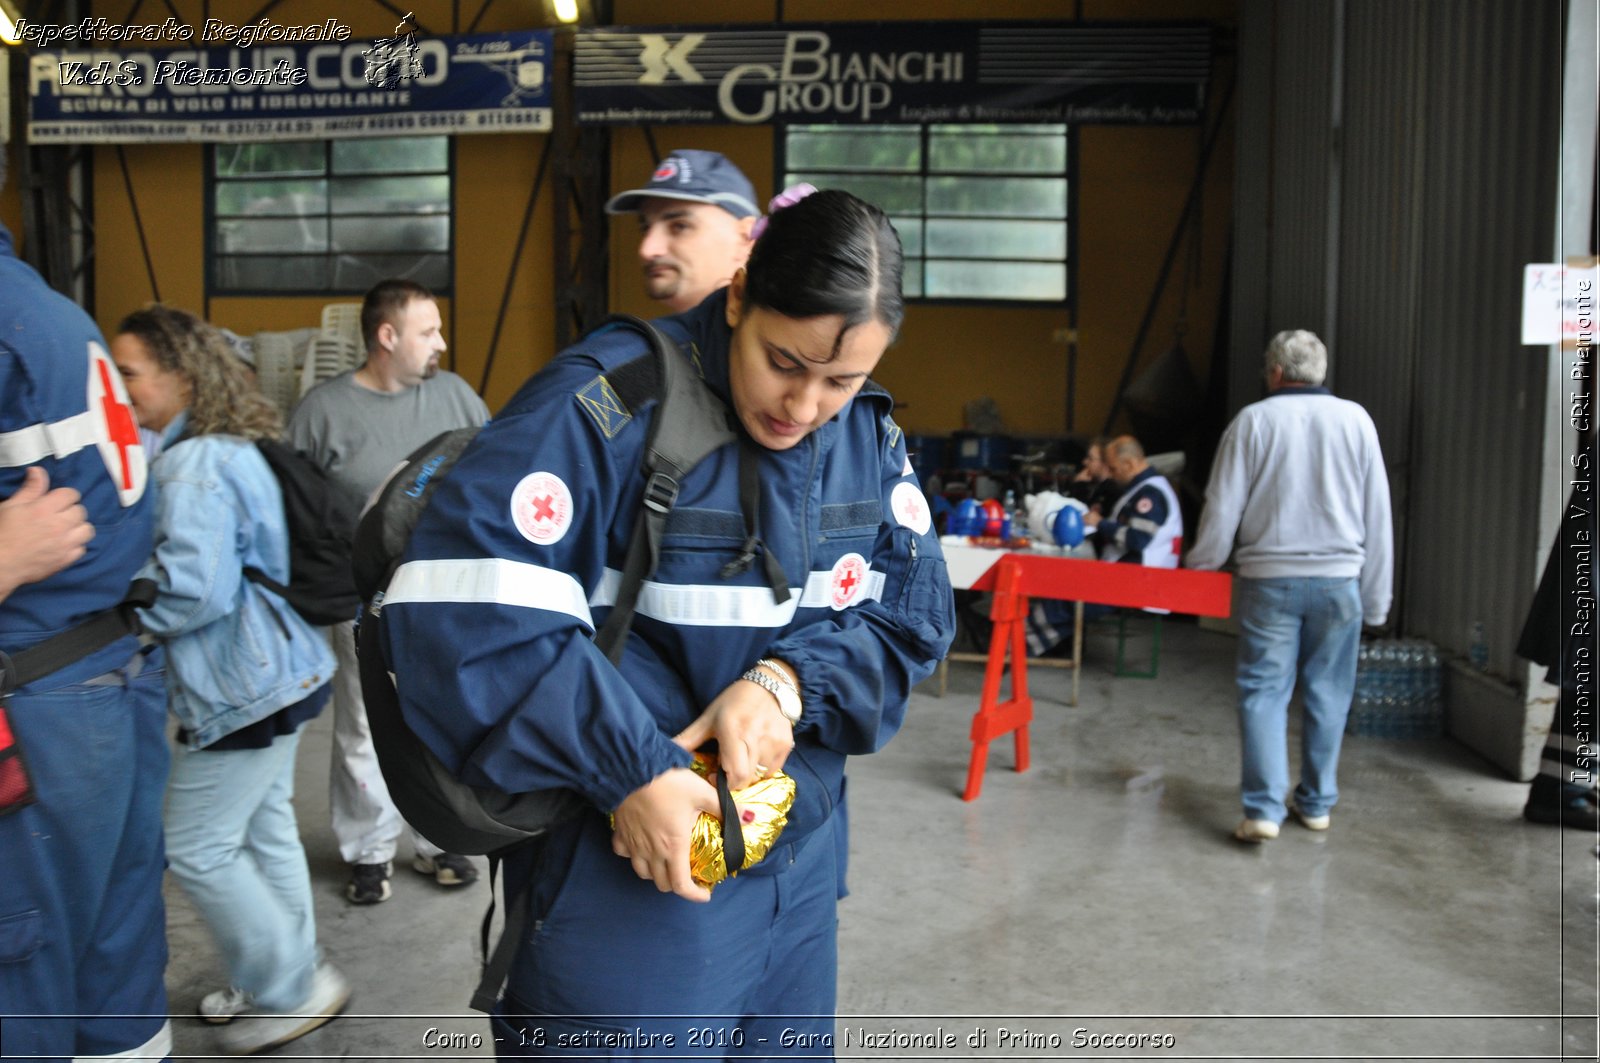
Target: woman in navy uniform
[515,565]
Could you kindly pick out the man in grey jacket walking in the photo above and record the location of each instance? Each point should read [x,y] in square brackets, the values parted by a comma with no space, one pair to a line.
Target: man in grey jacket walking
[1299,494]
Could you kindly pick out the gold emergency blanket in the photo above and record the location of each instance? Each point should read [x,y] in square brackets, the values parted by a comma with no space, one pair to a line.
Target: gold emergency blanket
[763,805]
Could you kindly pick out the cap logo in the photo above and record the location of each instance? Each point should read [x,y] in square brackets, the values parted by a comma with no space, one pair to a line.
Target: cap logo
[666,171]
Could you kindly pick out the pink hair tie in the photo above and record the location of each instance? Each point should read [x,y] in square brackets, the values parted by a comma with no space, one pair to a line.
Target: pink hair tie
[787,198]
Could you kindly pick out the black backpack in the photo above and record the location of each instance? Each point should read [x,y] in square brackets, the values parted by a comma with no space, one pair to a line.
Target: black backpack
[690,424]
[322,521]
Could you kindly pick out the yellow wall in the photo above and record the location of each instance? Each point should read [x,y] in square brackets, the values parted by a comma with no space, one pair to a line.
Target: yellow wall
[1132,182]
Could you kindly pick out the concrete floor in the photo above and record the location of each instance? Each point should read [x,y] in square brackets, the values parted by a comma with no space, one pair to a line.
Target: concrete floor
[1096,896]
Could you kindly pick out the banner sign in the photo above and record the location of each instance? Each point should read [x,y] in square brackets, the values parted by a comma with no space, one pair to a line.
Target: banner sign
[292,87]
[893,72]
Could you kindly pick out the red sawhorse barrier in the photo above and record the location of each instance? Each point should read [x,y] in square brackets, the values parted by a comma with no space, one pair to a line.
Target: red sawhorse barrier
[1018,577]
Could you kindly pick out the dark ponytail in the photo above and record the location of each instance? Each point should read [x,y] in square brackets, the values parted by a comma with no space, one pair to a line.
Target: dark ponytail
[830,253]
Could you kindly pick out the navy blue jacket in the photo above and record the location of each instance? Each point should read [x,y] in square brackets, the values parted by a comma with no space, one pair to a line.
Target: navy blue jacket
[63,407]
[518,557]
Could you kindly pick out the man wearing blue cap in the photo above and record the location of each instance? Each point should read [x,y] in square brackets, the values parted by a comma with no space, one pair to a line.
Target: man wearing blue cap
[695,219]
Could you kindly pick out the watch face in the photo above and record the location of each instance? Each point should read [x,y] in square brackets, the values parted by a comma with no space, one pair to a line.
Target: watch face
[789,705]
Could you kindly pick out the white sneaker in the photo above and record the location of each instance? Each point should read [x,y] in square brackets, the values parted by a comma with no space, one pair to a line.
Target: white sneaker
[221,1006]
[256,1030]
[1312,822]
[1256,830]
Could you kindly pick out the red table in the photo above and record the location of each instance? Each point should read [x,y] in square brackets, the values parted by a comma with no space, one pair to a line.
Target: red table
[1015,578]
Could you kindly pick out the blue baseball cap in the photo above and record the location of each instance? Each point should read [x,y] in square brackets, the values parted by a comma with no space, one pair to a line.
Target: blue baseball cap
[695,176]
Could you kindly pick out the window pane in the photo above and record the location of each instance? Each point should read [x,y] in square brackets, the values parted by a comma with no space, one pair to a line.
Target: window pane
[287,274]
[392,155]
[357,273]
[283,224]
[880,148]
[997,239]
[892,195]
[285,158]
[1013,152]
[910,230]
[257,236]
[998,197]
[384,233]
[391,195]
[989,203]
[911,280]
[272,197]
[1042,281]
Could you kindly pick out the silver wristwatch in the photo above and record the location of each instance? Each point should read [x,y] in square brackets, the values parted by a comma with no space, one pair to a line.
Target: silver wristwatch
[781,688]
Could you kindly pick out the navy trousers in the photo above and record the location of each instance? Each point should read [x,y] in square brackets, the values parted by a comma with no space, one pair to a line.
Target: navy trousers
[82,925]
[612,966]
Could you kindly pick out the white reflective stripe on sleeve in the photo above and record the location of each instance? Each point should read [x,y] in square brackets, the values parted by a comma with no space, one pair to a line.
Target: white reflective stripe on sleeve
[158,1047]
[30,445]
[490,580]
[718,605]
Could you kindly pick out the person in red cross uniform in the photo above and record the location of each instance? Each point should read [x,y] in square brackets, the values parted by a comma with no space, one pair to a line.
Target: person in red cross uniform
[83,761]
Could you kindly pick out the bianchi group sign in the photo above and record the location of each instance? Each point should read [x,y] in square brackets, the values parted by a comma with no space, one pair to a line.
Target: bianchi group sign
[270,82]
[893,72]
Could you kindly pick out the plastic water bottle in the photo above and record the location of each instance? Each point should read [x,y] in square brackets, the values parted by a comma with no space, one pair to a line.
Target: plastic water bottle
[1411,700]
[1478,647]
[1015,524]
[1360,720]
[1382,689]
[1435,691]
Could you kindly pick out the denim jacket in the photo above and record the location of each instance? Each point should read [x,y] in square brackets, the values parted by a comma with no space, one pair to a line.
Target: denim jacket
[236,652]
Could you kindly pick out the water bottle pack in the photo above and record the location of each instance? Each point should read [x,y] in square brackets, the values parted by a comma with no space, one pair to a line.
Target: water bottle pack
[1399,690]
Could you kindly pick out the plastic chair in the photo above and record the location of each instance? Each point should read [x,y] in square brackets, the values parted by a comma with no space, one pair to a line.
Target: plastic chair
[344,321]
[279,358]
[327,358]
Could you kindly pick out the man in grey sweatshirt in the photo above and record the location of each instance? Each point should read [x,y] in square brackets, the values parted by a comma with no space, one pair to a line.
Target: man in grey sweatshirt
[1299,494]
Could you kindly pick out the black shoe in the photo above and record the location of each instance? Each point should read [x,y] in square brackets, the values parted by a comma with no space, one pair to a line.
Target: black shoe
[447,869]
[369,883]
[1579,812]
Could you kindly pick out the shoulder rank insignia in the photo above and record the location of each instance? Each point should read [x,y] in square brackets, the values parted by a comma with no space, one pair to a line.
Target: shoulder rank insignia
[893,431]
[600,399]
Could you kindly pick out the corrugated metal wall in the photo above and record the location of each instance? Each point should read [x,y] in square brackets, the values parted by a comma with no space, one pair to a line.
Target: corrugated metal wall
[1444,168]
[1492,91]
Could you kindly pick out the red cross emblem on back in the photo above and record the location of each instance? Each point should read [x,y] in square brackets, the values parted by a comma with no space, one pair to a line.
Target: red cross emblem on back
[114,431]
[120,426]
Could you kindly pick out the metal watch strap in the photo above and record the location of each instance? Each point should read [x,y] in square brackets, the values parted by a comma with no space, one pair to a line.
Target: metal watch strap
[778,670]
[762,680]
[783,691]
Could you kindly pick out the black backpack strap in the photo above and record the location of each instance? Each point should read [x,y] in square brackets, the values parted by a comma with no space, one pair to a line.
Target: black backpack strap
[750,506]
[74,644]
[732,828]
[690,424]
[497,964]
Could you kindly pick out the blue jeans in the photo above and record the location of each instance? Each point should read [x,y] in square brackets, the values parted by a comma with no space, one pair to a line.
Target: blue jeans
[82,926]
[1305,625]
[234,846]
